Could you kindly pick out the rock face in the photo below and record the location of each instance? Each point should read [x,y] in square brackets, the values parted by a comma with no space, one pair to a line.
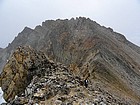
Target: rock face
[19,70]
[90,51]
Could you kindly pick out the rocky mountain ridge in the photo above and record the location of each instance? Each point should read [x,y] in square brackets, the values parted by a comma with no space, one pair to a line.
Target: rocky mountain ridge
[89,51]
[40,37]
[29,77]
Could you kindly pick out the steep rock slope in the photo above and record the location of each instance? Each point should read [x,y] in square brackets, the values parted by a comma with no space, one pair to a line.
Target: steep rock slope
[91,51]
[29,77]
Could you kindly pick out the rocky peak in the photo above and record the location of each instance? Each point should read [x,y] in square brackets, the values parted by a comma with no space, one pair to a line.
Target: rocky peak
[87,49]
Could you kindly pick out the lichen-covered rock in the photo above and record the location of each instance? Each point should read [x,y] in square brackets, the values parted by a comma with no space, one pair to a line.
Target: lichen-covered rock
[19,70]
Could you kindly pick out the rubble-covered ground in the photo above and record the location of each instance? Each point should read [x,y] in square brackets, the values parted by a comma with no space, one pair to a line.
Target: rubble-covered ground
[54,84]
[59,87]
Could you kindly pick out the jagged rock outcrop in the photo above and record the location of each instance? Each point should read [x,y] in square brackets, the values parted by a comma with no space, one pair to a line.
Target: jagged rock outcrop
[90,51]
[19,70]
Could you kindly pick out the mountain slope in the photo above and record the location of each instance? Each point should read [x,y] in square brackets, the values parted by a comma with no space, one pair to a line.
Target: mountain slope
[90,51]
[29,77]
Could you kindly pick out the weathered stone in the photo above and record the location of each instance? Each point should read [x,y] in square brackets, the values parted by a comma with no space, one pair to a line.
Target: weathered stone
[19,70]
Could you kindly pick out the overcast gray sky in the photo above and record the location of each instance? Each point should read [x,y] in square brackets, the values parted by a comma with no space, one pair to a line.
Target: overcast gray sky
[121,15]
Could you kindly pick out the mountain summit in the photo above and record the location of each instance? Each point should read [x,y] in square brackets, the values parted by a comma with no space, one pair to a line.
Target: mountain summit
[70,61]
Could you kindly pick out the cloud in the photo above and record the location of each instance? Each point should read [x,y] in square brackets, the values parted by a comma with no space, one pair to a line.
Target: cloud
[122,15]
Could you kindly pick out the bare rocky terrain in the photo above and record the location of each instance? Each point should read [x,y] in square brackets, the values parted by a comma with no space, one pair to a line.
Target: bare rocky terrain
[49,65]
